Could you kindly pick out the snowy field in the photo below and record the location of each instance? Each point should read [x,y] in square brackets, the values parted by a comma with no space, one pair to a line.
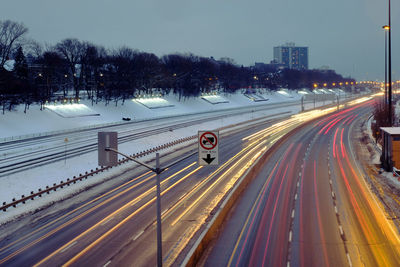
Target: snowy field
[16,125]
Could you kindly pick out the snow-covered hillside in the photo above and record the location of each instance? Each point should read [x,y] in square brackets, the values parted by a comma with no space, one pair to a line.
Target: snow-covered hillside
[71,116]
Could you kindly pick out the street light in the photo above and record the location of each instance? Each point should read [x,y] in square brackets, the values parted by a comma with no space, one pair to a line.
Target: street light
[386,28]
[390,70]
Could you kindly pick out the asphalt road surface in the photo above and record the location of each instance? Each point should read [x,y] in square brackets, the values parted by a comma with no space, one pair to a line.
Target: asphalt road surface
[310,206]
[117,227]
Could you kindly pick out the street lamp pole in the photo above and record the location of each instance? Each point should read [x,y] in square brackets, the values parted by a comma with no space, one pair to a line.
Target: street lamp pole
[386,28]
[390,71]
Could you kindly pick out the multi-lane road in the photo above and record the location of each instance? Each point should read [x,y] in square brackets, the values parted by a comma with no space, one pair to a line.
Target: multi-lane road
[118,226]
[310,205]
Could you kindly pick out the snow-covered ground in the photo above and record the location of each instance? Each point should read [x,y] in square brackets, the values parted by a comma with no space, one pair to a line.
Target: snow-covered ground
[17,124]
[60,117]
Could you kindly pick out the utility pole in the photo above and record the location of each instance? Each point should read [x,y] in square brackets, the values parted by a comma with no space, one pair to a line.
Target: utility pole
[107,156]
[386,28]
[159,240]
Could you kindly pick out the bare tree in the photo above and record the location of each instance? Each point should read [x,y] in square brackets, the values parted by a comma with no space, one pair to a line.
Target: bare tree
[34,48]
[10,33]
[73,51]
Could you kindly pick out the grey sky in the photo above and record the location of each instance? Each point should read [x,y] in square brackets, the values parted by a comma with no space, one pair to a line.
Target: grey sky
[345,35]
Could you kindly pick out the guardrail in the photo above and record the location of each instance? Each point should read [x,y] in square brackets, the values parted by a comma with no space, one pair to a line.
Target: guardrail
[92,172]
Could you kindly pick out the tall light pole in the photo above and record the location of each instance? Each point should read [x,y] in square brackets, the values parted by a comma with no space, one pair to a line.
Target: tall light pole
[390,71]
[386,28]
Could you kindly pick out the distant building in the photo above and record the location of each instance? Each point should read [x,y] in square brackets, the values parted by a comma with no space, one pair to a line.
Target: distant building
[291,56]
[272,67]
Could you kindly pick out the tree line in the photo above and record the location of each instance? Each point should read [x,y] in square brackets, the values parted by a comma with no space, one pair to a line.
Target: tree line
[38,74]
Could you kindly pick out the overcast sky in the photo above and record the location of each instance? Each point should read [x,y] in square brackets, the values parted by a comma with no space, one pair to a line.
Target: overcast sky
[345,35]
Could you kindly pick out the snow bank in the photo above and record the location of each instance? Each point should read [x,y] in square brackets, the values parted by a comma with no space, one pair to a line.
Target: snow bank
[256,97]
[156,102]
[18,125]
[72,110]
[214,99]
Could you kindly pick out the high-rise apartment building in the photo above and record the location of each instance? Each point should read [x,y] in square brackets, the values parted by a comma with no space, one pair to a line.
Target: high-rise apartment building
[291,56]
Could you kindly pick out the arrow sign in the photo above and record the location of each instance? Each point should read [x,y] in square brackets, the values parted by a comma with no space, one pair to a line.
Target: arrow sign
[208,147]
[209,159]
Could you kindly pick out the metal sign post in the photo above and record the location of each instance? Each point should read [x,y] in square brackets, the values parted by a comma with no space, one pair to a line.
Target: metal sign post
[159,240]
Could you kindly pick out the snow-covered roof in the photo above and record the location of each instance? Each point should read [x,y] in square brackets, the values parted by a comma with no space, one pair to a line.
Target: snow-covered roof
[391,130]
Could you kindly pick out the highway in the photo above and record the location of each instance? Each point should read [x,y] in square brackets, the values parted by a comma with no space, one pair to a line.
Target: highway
[19,155]
[310,205]
[117,227]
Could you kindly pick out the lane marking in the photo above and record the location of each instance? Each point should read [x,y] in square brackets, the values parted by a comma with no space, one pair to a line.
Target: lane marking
[138,235]
[106,221]
[68,247]
[349,259]
[341,230]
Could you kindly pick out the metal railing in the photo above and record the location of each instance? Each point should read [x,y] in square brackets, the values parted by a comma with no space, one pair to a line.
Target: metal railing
[87,174]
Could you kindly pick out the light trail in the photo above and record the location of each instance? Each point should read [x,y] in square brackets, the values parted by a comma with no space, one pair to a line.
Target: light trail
[149,191]
[255,206]
[334,142]
[127,205]
[190,232]
[69,222]
[272,219]
[321,232]
[232,180]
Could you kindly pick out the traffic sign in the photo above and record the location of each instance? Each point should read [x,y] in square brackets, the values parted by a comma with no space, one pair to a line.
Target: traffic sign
[208,147]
